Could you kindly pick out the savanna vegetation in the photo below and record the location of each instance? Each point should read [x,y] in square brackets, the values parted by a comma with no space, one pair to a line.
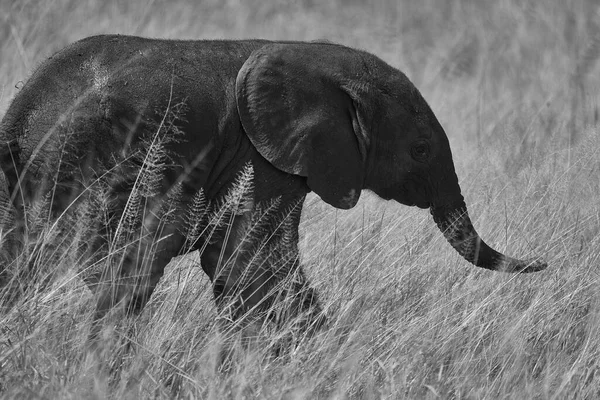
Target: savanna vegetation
[515,85]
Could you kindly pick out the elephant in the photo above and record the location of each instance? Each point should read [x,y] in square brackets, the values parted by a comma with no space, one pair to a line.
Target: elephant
[292,117]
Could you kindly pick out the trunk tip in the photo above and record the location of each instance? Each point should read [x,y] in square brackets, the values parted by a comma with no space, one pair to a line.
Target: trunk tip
[529,265]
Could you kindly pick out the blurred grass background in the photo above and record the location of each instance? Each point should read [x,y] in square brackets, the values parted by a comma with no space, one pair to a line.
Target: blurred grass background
[515,85]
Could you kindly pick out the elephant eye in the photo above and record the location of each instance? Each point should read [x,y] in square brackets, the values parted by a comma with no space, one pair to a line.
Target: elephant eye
[420,151]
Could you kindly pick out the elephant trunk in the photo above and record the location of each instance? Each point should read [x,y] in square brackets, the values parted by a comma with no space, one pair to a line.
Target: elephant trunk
[455,224]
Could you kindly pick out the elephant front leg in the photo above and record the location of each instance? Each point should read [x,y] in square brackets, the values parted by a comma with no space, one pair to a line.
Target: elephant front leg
[257,279]
[225,265]
[225,260]
[299,305]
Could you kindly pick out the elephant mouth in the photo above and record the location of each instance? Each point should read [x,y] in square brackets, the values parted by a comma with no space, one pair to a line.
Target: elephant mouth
[423,205]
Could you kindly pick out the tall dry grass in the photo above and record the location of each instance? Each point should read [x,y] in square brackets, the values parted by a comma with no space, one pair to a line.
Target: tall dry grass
[515,86]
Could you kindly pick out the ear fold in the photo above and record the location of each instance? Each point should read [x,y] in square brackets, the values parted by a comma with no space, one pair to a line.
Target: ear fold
[296,112]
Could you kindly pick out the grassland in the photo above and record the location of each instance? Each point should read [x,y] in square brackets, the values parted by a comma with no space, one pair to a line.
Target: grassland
[515,85]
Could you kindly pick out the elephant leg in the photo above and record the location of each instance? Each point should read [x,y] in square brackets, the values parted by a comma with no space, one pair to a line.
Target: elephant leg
[297,314]
[236,287]
[300,302]
[226,264]
[253,281]
[302,306]
[130,276]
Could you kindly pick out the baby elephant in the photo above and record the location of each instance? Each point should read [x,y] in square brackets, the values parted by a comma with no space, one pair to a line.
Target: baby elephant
[165,147]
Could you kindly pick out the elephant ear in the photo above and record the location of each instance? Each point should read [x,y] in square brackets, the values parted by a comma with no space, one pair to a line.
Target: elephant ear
[300,116]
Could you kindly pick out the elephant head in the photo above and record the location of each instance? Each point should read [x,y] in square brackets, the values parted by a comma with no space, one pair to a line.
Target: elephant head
[347,121]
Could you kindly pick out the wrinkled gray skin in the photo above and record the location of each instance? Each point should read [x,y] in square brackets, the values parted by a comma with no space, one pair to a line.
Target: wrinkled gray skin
[308,116]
